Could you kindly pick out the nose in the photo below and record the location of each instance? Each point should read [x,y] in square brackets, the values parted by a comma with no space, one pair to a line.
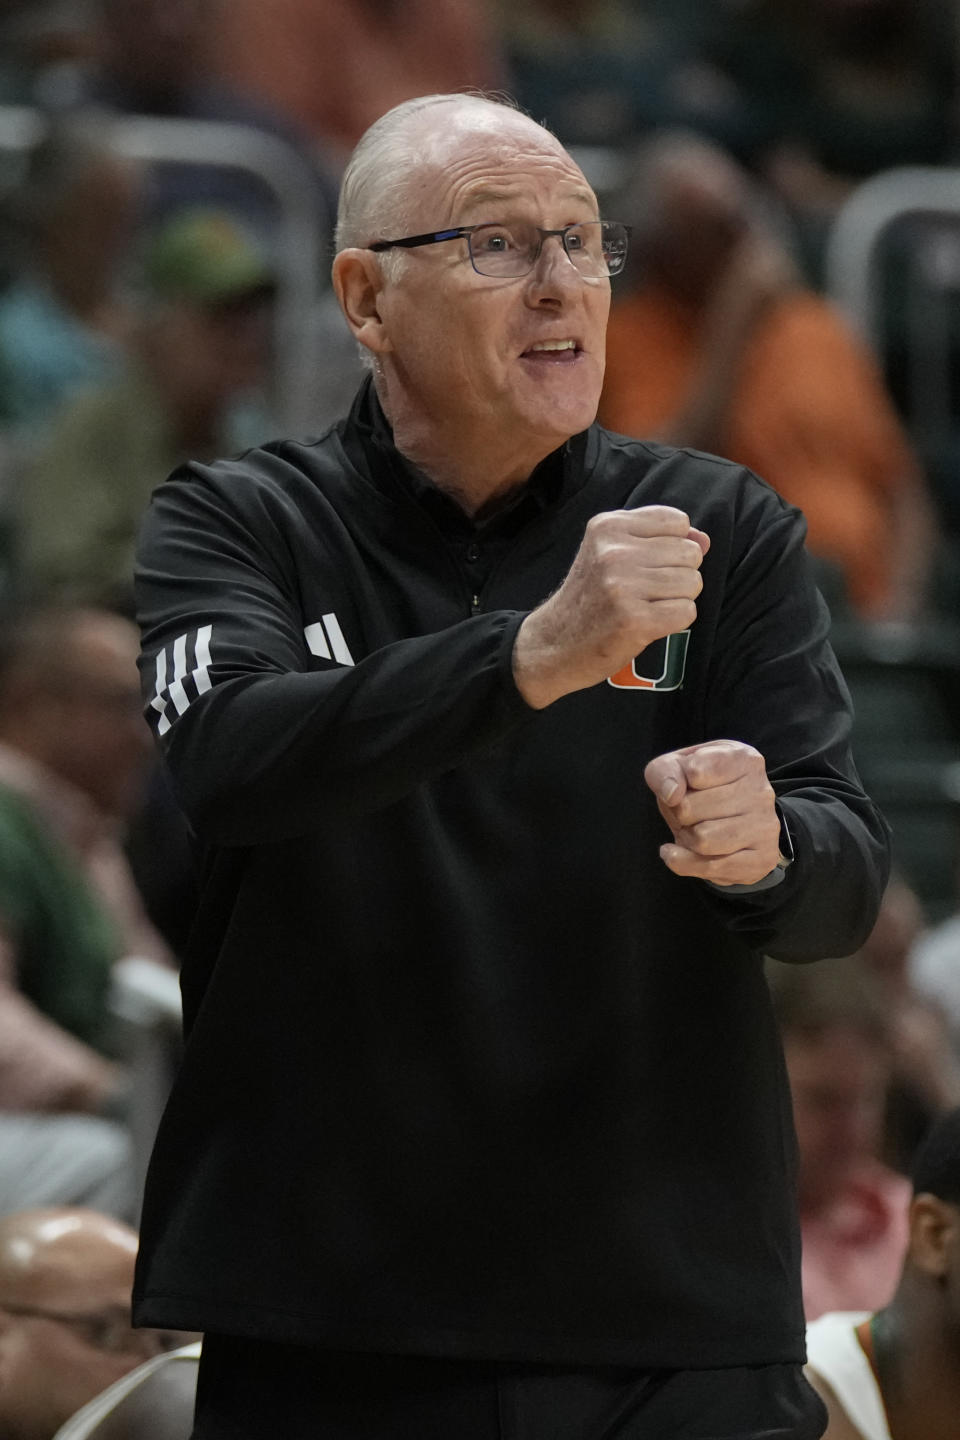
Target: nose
[554,274]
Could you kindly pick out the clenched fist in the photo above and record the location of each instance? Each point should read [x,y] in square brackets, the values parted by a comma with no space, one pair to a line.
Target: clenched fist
[719,804]
[635,579]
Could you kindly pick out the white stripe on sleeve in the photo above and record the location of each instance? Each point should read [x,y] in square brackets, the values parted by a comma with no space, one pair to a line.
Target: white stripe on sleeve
[201,676]
[340,651]
[177,693]
[316,640]
[158,702]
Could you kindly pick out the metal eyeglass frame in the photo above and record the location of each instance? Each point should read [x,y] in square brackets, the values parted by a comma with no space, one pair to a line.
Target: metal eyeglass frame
[436,237]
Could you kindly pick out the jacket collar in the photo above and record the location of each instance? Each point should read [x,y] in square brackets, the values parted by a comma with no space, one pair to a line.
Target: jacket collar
[368,440]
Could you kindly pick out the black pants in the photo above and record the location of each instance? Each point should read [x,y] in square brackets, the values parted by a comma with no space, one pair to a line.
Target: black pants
[251,1390]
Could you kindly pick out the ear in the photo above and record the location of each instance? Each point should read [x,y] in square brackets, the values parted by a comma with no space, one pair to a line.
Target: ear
[933,1231]
[358,282]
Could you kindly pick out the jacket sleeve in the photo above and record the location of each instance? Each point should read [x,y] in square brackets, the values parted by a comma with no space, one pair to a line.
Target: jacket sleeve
[260,736]
[776,684]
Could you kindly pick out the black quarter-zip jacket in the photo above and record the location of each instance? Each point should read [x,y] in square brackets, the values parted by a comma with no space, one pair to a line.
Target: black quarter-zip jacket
[467,1071]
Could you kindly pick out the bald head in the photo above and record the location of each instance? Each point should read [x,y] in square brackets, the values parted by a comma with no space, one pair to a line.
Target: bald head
[65,1334]
[45,1252]
[402,150]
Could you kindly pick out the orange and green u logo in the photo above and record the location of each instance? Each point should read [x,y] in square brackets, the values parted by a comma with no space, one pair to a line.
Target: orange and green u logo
[670,678]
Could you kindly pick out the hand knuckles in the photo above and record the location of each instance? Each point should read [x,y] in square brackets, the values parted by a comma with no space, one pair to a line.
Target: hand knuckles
[683,812]
[710,840]
[700,769]
[666,518]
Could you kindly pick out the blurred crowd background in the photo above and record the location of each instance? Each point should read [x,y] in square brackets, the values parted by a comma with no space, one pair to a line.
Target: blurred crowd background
[168,181]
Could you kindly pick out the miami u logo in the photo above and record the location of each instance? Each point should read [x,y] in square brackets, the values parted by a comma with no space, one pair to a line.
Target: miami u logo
[671,676]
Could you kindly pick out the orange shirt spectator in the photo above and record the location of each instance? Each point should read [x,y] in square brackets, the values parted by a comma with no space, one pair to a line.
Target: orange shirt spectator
[808,413]
[721,348]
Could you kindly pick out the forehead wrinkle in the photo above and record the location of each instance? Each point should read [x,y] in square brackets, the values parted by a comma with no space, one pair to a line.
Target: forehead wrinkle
[484,195]
[470,191]
[474,166]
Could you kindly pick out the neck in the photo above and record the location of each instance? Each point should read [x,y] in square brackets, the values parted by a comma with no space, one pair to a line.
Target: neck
[478,472]
[477,492]
[917,1368]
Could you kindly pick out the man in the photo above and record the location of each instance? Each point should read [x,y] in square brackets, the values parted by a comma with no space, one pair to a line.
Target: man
[65,1331]
[935,969]
[838,1043]
[896,1373]
[926,1077]
[157,57]
[63,325]
[74,758]
[201,354]
[482,1126]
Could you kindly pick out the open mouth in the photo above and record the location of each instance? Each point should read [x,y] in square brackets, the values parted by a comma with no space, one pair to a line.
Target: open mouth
[552,352]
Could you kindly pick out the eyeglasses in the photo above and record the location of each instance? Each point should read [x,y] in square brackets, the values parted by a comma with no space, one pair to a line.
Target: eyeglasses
[596,248]
[109,1330]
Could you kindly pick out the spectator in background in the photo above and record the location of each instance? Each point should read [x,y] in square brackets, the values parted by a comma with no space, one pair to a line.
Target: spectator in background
[935,970]
[926,1070]
[37,38]
[63,321]
[157,57]
[720,347]
[597,72]
[74,755]
[65,1331]
[853,1208]
[897,1372]
[821,94]
[336,67]
[201,353]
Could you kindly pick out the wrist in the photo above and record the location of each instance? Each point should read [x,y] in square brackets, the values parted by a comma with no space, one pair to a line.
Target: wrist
[534,664]
[774,877]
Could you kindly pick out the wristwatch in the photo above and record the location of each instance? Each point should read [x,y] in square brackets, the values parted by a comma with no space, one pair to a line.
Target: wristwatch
[785,856]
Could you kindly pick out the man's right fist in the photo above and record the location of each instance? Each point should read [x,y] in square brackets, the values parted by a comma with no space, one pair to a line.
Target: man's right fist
[635,579]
